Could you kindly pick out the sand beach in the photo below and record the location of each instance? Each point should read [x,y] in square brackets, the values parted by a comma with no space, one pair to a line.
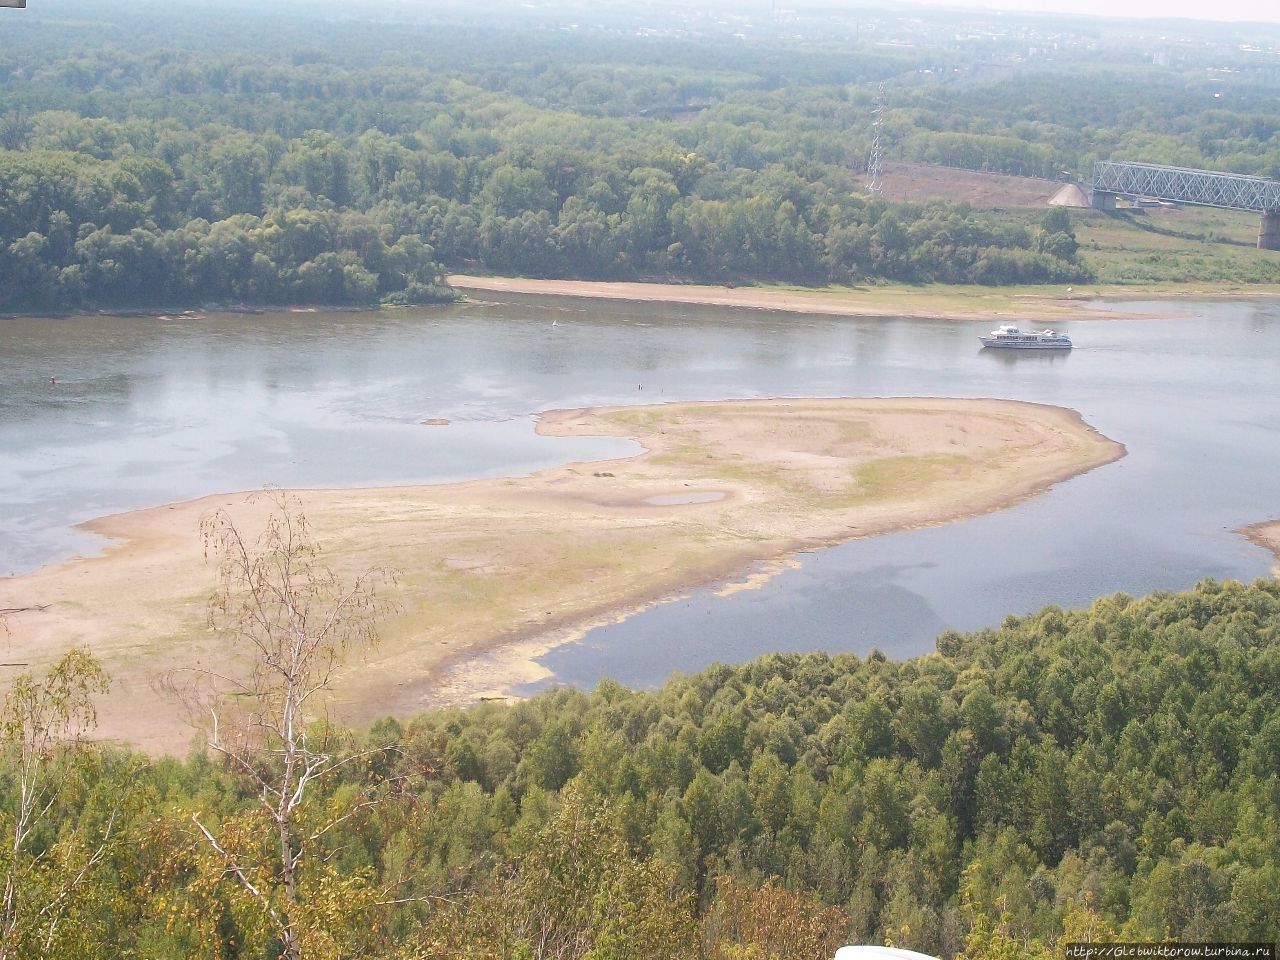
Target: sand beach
[492,572]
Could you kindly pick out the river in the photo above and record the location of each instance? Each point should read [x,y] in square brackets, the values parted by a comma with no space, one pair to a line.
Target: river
[149,410]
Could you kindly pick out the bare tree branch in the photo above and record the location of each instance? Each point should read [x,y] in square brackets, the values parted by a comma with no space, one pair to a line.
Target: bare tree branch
[292,620]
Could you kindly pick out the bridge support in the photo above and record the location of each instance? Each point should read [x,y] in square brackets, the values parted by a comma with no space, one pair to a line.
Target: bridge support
[1269,230]
[1102,200]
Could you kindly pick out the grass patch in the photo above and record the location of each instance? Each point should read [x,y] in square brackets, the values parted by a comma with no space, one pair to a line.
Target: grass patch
[906,475]
[1174,246]
[637,419]
[1159,250]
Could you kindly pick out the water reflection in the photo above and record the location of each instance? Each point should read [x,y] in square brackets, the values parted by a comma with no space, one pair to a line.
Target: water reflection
[1011,357]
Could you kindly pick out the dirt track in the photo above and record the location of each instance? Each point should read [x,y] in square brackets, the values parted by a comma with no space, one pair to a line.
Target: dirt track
[917,182]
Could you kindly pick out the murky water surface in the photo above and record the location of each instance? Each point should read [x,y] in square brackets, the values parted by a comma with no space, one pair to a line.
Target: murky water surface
[147,410]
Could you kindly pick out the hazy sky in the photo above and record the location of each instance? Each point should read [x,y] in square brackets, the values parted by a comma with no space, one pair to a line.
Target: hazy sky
[1265,11]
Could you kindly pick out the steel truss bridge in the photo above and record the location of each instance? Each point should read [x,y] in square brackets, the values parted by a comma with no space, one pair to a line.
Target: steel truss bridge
[1202,187]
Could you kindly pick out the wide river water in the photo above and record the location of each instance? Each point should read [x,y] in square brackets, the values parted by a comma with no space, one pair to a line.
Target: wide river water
[151,410]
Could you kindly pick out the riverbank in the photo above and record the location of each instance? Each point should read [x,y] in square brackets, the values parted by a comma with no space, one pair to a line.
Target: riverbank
[1028,303]
[1041,304]
[520,564]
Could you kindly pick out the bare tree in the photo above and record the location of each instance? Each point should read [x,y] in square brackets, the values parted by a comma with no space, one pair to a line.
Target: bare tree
[293,620]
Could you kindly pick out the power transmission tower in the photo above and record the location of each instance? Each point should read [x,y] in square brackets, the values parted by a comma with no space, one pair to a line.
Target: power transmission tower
[875,165]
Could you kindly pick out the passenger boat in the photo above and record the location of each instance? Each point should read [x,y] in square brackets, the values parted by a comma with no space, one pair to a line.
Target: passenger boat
[1009,337]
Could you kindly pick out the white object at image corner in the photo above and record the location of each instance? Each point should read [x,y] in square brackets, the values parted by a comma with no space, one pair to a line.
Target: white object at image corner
[879,953]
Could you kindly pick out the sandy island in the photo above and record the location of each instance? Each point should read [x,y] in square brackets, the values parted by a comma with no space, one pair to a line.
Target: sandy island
[493,572]
[1266,535]
[946,302]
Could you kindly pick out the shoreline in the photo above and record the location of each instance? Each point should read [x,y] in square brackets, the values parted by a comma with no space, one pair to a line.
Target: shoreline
[517,652]
[1265,534]
[513,655]
[1033,304]
[494,572]
[195,312]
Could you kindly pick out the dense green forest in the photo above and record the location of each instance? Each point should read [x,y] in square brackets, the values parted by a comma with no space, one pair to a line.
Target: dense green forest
[160,154]
[1102,772]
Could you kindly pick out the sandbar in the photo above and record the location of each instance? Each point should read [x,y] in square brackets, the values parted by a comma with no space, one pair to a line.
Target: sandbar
[1266,534]
[1000,304]
[491,572]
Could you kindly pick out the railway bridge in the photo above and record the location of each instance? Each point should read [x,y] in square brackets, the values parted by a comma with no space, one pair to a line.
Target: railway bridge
[1231,191]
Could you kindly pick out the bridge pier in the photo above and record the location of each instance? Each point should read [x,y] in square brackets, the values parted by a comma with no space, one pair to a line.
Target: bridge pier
[1269,230]
[1102,200]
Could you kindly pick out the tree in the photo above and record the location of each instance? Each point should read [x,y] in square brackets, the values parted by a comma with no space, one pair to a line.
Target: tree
[579,892]
[295,620]
[42,724]
[770,923]
[992,938]
[1056,236]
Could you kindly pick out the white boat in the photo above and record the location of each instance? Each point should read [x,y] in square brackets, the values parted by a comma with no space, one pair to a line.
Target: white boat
[1009,337]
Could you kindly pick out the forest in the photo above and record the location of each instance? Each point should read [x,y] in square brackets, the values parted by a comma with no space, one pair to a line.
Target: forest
[1073,775]
[1110,773]
[156,156]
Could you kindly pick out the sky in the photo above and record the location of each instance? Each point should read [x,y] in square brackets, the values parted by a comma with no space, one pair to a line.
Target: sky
[1263,11]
